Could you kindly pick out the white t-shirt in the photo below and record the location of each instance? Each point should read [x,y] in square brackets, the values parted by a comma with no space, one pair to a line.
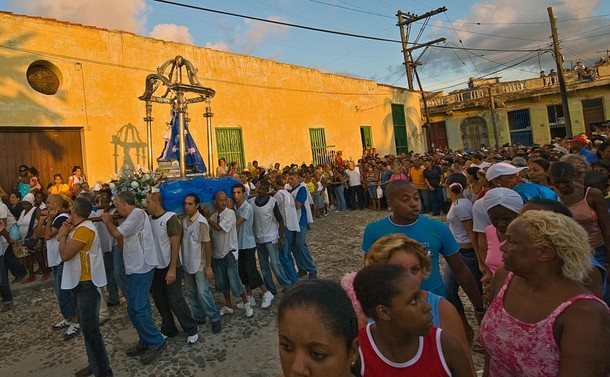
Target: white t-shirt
[225,240]
[461,210]
[353,176]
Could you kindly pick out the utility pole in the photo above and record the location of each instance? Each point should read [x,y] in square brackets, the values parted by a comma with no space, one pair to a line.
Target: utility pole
[493,116]
[405,20]
[404,23]
[560,75]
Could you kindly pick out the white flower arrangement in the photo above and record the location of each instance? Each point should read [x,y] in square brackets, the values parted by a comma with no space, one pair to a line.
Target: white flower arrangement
[136,180]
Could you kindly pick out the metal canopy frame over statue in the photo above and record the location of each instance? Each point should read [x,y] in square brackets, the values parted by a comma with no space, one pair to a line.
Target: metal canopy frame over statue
[176,93]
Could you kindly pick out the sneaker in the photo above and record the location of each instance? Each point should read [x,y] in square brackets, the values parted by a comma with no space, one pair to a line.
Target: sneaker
[249,311]
[61,325]
[135,350]
[192,339]
[225,311]
[251,301]
[151,354]
[72,331]
[267,298]
[216,327]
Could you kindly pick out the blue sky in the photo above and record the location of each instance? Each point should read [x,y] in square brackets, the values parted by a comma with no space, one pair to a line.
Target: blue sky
[473,29]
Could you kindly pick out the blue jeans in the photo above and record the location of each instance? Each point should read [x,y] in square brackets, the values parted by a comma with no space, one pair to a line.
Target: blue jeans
[435,198]
[269,259]
[112,286]
[200,297]
[451,284]
[138,309]
[340,194]
[286,256]
[424,197]
[5,285]
[88,303]
[65,299]
[226,275]
[301,253]
[118,269]
[12,264]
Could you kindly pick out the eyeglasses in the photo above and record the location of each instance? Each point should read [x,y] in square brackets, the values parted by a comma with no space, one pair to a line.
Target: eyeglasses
[22,170]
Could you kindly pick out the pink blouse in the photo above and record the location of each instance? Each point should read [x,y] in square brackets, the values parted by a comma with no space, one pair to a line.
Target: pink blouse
[493,260]
[522,349]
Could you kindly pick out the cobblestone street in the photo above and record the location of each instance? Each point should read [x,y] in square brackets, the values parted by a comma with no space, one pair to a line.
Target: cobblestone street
[244,347]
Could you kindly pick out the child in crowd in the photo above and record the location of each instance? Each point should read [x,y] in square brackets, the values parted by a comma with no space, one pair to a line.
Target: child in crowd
[402,340]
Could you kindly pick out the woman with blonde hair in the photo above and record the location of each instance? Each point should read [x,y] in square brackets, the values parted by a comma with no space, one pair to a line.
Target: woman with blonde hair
[409,253]
[541,320]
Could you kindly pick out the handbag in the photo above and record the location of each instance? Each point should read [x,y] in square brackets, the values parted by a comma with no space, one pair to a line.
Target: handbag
[379,192]
[14,232]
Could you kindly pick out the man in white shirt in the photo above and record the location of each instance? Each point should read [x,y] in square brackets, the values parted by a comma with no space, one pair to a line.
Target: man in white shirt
[287,207]
[248,272]
[269,235]
[135,237]
[355,186]
[196,258]
[167,281]
[225,254]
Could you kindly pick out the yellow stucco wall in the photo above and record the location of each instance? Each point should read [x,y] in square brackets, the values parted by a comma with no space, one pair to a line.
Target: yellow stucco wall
[274,104]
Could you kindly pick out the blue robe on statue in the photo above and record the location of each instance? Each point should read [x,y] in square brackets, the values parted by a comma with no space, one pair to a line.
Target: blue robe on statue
[171,152]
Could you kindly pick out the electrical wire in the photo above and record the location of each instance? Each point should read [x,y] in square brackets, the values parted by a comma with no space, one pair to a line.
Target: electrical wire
[353,35]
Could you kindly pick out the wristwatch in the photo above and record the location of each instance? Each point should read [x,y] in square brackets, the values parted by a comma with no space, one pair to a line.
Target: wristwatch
[61,236]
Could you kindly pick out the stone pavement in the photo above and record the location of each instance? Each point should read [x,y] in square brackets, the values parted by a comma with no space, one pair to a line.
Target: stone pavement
[244,347]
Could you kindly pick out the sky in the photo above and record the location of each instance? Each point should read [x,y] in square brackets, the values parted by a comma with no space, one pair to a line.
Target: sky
[500,38]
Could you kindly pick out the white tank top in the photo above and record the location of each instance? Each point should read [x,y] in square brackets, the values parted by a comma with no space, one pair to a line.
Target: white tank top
[266,227]
[285,202]
[53,257]
[191,252]
[162,243]
[72,268]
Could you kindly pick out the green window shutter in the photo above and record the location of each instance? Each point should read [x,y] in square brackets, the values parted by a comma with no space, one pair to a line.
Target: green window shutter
[230,145]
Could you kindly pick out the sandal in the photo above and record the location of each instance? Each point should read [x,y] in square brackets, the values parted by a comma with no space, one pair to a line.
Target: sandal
[29,279]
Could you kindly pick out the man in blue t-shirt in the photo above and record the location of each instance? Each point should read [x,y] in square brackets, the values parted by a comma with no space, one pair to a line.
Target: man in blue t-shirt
[435,236]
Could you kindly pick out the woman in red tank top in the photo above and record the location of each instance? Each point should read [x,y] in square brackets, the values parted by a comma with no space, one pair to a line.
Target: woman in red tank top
[402,341]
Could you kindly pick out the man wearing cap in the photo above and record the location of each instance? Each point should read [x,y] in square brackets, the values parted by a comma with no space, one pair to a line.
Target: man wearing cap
[578,146]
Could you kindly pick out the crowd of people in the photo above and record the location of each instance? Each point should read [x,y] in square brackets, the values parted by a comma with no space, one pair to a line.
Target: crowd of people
[527,228]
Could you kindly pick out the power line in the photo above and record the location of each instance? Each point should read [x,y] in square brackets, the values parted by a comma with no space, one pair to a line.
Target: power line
[278,22]
[353,35]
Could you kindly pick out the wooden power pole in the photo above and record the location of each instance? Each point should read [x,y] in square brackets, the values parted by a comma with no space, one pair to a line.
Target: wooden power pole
[560,75]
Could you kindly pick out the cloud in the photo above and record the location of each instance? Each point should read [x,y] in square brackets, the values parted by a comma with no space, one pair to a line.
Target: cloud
[128,15]
[220,46]
[249,37]
[256,32]
[172,32]
[516,25]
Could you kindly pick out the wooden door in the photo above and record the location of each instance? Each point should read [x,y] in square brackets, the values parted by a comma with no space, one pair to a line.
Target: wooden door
[593,112]
[50,150]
